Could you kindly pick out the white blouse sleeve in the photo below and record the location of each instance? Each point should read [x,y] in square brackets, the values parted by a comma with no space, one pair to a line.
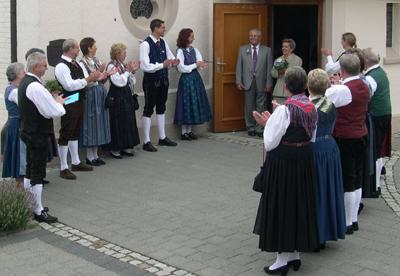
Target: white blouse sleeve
[339,95]
[170,55]
[85,72]
[119,80]
[13,96]
[372,85]
[276,127]
[332,67]
[181,66]
[145,64]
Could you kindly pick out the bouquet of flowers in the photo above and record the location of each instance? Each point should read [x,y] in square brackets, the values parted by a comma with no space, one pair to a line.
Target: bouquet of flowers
[52,86]
[281,64]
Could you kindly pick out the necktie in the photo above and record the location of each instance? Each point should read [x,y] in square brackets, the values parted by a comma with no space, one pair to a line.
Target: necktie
[158,44]
[255,56]
[75,63]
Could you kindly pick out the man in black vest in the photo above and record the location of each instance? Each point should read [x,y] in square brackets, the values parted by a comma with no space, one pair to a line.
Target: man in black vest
[155,59]
[70,75]
[37,108]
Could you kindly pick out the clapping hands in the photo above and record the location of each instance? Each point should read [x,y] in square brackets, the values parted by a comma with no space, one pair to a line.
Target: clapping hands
[133,66]
[262,118]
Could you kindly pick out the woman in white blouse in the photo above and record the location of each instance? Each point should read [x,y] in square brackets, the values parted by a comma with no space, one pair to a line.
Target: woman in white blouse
[124,132]
[192,106]
[287,219]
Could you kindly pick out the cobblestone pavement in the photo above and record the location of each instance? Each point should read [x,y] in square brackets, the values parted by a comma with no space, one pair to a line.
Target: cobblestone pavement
[192,208]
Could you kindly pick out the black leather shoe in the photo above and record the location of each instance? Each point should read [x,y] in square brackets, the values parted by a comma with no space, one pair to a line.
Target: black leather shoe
[251,133]
[295,264]
[167,142]
[355,226]
[127,153]
[360,208]
[192,136]
[44,217]
[383,171]
[349,230]
[260,134]
[185,137]
[92,163]
[45,182]
[149,147]
[100,161]
[283,270]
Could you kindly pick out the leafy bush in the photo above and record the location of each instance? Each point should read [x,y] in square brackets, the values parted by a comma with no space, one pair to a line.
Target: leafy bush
[15,207]
[52,85]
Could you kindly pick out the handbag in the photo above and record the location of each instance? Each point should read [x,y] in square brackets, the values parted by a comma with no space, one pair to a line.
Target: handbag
[258,185]
[135,101]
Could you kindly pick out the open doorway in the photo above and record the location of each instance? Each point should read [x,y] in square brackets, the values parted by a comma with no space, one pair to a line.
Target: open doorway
[299,22]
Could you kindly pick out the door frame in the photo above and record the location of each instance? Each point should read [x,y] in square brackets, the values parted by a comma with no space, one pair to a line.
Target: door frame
[319,3]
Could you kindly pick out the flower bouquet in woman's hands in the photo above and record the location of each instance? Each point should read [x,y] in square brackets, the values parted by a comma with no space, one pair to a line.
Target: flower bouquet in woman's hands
[53,86]
[281,64]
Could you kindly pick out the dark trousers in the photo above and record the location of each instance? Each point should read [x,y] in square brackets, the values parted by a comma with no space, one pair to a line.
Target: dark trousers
[71,123]
[155,95]
[353,153]
[381,128]
[36,156]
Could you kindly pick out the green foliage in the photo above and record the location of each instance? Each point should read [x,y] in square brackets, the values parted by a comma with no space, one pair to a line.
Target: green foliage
[15,207]
[52,85]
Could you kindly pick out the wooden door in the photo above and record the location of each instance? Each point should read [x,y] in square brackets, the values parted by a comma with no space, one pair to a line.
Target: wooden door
[232,23]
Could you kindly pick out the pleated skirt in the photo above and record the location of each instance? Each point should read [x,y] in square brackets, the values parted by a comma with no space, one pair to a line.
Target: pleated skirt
[11,161]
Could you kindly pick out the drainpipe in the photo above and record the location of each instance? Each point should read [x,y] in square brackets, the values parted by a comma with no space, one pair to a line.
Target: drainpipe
[13,17]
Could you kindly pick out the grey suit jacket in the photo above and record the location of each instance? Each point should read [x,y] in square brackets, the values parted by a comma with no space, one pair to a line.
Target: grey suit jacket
[244,67]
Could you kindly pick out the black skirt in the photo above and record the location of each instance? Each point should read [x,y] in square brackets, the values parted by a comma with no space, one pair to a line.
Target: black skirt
[124,131]
[287,218]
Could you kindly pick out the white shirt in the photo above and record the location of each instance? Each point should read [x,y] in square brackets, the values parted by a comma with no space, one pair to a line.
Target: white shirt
[121,80]
[371,68]
[145,64]
[187,68]
[63,75]
[252,49]
[276,127]
[339,95]
[43,100]
[13,96]
[332,67]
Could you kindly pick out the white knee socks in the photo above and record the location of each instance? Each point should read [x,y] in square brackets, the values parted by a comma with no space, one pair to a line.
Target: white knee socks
[146,121]
[161,126]
[349,198]
[281,260]
[73,149]
[379,166]
[37,192]
[91,153]
[357,200]
[293,256]
[63,153]
[186,129]
[27,184]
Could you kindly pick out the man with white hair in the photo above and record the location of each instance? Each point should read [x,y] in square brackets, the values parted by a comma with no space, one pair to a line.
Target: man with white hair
[380,109]
[72,79]
[37,108]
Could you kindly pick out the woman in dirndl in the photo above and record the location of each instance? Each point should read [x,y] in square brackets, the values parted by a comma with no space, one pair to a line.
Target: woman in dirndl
[330,193]
[287,217]
[11,160]
[95,129]
[192,106]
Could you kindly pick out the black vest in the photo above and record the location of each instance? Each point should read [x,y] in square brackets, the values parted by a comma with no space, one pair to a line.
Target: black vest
[157,54]
[76,73]
[31,121]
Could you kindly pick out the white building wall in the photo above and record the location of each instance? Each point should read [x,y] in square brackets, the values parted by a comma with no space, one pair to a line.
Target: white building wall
[5,53]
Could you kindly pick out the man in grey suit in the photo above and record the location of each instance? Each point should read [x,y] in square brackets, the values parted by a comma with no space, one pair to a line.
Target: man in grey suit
[254,64]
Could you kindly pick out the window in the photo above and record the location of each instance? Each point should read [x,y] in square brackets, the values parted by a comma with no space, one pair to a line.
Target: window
[389,24]
[392,33]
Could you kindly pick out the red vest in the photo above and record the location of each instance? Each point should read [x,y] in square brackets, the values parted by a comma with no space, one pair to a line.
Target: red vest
[350,119]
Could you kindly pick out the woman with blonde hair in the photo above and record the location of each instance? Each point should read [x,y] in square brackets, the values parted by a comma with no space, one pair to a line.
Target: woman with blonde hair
[330,202]
[124,132]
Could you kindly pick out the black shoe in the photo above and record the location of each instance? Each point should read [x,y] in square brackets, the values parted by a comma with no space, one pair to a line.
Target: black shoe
[251,133]
[295,264]
[115,156]
[186,137]
[322,246]
[45,182]
[349,230]
[149,147]
[192,136]
[92,163]
[283,270]
[127,153]
[383,171]
[379,191]
[355,226]
[166,142]
[360,208]
[44,217]
[100,161]
[260,134]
